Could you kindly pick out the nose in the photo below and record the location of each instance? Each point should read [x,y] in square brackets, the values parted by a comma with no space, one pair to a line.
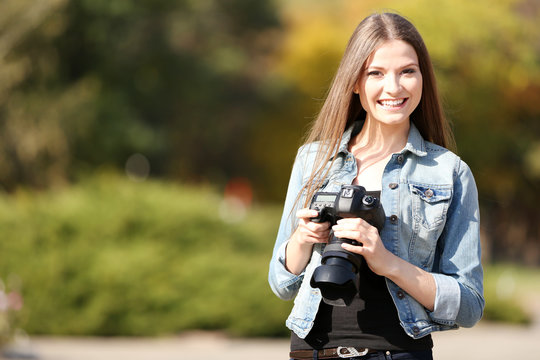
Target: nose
[392,84]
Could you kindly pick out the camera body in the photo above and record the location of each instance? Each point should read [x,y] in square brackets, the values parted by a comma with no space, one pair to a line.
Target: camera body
[336,277]
[351,201]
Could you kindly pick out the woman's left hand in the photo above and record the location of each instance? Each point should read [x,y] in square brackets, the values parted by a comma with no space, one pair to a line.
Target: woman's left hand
[378,258]
[415,281]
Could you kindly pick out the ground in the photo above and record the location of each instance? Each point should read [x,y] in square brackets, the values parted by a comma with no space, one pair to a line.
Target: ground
[484,341]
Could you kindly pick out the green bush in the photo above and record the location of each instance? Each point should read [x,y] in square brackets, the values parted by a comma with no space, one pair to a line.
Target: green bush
[115,257]
[505,310]
[509,290]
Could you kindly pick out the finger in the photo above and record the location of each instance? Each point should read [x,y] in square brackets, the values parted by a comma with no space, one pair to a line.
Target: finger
[313,226]
[353,248]
[322,234]
[349,234]
[325,235]
[353,222]
[318,227]
[306,213]
[314,230]
[316,239]
[361,226]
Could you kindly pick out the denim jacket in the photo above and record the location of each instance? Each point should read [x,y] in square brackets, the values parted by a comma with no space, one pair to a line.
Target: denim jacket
[432,221]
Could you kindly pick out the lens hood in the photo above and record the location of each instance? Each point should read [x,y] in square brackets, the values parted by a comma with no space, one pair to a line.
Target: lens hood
[336,280]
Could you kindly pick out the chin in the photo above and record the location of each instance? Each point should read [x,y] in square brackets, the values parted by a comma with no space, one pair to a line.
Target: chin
[394,121]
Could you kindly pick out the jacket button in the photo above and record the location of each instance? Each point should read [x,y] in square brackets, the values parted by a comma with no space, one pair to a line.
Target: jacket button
[400,295]
[393,219]
[415,330]
[400,159]
[428,193]
[393,185]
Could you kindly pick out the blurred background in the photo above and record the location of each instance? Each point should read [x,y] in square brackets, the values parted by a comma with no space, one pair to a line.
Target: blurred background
[145,149]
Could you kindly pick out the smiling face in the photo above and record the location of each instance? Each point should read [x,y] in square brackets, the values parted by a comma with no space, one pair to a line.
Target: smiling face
[390,86]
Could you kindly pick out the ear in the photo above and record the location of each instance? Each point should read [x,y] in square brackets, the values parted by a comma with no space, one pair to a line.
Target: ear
[356,88]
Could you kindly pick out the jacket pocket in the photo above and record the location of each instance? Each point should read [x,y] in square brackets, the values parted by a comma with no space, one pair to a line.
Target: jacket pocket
[430,204]
[429,208]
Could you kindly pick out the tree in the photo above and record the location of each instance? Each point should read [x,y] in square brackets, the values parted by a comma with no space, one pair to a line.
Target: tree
[92,82]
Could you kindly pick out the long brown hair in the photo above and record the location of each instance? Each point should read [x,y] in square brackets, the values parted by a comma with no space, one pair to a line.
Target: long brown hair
[342,106]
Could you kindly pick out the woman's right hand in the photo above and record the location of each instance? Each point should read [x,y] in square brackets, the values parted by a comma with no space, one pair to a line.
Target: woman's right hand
[309,232]
[301,243]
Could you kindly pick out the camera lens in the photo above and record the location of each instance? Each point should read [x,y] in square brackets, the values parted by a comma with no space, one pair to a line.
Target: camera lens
[368,200]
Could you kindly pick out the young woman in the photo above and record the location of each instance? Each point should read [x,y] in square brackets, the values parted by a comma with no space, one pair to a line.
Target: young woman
[382,127]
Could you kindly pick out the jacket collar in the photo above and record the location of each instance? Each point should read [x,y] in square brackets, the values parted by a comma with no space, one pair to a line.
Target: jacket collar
[415,142]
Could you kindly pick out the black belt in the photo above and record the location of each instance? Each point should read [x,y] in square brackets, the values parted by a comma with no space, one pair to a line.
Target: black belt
[332,353]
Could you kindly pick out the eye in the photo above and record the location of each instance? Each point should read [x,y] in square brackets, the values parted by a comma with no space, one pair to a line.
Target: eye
[374,73]
[409,71]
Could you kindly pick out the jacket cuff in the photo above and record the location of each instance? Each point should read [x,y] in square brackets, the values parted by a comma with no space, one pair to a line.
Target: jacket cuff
[447,299]
[284,278]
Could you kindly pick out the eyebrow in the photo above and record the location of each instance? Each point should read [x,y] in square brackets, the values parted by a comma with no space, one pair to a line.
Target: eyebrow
[401,67]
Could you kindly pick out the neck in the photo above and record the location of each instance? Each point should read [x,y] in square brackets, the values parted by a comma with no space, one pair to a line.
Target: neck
[379,138]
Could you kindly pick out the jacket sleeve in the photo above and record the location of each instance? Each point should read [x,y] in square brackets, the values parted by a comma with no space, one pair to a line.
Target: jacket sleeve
[283,283]
[458,270]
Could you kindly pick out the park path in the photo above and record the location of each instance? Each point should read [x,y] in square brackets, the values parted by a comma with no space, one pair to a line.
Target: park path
[484,341]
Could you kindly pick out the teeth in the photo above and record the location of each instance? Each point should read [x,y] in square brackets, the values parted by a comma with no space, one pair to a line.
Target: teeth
[392,102]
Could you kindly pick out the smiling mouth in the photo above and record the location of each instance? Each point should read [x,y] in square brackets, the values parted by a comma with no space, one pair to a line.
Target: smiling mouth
[392,104]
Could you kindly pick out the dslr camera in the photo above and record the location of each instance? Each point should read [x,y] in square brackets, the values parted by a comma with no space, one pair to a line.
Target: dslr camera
[336,277]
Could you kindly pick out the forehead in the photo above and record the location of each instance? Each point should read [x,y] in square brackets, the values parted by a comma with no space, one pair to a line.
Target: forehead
[392,53]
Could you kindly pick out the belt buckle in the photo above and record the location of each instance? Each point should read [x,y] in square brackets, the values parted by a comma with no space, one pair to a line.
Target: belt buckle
[349,352]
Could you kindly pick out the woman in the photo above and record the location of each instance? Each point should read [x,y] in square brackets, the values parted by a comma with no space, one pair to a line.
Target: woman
[382,127]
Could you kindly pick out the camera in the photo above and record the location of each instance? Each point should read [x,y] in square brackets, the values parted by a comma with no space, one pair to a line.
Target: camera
[336,277]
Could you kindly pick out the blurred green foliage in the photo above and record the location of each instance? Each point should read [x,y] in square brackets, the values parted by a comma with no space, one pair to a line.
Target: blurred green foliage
[88,83]
[506,310]
[115,257]
[512,292]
